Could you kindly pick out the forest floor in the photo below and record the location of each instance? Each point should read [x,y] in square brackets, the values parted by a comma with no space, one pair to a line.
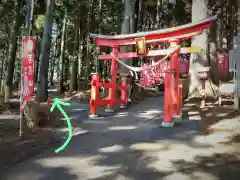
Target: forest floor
[130,145]
[14,149]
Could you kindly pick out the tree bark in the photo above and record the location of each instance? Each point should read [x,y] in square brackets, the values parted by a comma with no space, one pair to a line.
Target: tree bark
[37,56]
[140,15]
[12,52]
[199,60]
[158,14]
[42,91]
[53,63]
[61,65]
[127,27]
[73,75]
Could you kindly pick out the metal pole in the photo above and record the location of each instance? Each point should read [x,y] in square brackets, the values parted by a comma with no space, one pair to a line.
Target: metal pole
[21,93]
[31,18]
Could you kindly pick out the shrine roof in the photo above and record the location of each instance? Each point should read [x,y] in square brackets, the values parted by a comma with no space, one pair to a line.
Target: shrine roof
[155,32]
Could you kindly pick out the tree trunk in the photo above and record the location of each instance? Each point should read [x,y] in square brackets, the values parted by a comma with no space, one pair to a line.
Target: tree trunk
[127,27]
[230,24]
[37,56]
[2,70]
[73,75]
[61,69]
[199,60]
[137,8]
[140,15]
[158,15]
[12,52]
[42,93]
[86,43]
[80,59]
[53,64]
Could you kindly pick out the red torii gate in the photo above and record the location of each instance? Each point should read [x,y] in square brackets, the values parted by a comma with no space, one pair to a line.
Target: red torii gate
[172,104]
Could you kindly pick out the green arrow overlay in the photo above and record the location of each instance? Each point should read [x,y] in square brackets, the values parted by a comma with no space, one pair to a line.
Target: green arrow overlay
[57,103]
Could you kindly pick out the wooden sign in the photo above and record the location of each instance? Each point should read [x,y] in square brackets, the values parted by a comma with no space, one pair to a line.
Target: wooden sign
[141,46]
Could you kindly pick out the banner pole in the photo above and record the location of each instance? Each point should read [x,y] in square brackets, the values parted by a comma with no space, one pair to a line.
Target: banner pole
[21,92]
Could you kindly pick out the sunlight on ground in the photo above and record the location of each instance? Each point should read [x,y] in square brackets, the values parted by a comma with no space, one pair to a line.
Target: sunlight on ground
[63,129]
[165,160]
[9,117]
[96,172]
[121,114]
[177,175]
[149,113]
[84,167]
[96,122]
[190,104]
[80,109]
[222,114]
[194,115]
[69,162]
[228,125]
[118,128]
[203,175]
[195,118]
[214,138]
[208,114]
[112,149]
[190,113]
[217,138]
[189,176]
[147,146]
[78,131]
[205,109]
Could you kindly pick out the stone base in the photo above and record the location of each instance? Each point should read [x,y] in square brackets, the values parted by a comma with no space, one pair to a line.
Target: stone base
[108,110]
[167,125]
[123,106]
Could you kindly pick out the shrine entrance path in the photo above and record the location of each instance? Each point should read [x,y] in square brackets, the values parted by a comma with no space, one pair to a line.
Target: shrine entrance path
[130,145]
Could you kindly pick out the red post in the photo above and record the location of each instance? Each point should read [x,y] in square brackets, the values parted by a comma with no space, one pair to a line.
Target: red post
[176,82]
[111,94]
[94,95]
[124,94]
[167,121]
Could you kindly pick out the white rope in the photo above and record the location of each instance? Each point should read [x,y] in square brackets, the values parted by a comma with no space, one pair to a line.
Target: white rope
[138,69]
[144,87]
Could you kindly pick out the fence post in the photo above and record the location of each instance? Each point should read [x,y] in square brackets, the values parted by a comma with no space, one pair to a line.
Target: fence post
[94,95]
[112,89]
[124,90]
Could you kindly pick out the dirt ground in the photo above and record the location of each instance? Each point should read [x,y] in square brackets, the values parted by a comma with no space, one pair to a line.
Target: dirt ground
[14,149]
[211,114]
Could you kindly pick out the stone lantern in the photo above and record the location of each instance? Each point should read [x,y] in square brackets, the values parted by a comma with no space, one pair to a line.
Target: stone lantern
[203,76]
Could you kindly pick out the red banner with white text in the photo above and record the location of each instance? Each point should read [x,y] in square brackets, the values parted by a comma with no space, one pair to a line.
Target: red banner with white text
[27,72]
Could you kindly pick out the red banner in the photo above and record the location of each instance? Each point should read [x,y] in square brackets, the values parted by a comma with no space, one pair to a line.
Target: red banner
[223,62]
[27,75]
[184,65]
